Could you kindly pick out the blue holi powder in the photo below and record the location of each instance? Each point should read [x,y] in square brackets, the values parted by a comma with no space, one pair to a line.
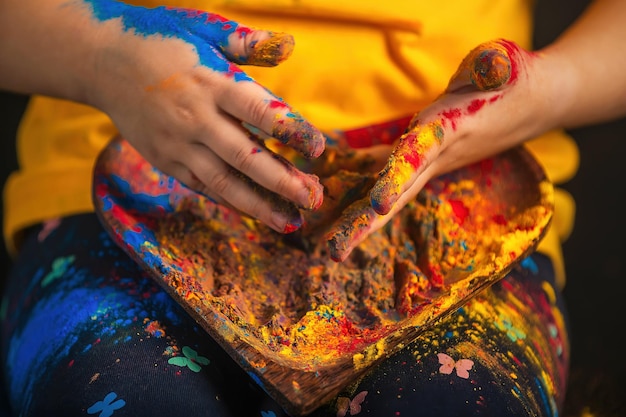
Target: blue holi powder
[58,322]
[47,338]
[140,201]
[258,381]
[529,263]
[107,203]
[153,261]
[134,239]
[166,305]
[332,142]
[548,405]
[206,32]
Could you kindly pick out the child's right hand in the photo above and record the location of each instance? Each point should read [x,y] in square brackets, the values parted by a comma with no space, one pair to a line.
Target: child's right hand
[169,79]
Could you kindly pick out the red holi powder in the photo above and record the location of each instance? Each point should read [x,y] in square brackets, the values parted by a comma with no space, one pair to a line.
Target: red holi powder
[382,133]
[290,228]
[101,191]
[413,158]
[233,69]
[125,218]
[476,105]
[452,115]
[495,98]
[155,329]
[436,278]
[196,247]
[526,228]
[359,140]
[256,150]
[276,104]
[499,219]
[513,50]
[243,31]
[69,365]
[486,168]
[460,210]
[215,18]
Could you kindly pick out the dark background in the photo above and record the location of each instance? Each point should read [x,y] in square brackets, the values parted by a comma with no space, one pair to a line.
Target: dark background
[594,253]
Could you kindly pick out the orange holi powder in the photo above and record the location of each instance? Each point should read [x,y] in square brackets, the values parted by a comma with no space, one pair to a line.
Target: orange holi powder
[272,51]
[284,296]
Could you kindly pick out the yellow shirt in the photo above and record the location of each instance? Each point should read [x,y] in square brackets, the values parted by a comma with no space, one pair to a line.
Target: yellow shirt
[356,62]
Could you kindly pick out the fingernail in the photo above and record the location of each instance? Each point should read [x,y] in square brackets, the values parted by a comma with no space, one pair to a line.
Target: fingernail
[284,224]
[312,197]
[352,227]
[337,248]
[492,69]
[383,195]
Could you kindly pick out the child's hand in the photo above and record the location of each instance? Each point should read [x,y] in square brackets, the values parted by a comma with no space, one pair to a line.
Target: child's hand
[486,109]
[169,79]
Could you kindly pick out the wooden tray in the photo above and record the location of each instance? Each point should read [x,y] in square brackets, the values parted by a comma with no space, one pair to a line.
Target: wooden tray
[501,206]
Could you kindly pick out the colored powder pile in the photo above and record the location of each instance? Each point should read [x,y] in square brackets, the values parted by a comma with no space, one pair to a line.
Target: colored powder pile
[283,293]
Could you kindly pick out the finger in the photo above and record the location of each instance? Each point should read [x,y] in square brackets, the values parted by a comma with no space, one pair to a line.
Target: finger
[407,161]
[208,175]
[240,43]
[352,227]
[237,148]
[259,108]
[258,47]
[360,220]
[487,67]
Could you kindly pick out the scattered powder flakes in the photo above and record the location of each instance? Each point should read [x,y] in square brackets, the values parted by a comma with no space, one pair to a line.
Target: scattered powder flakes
[154,328]
[283,292]
[171,351]
[94,377]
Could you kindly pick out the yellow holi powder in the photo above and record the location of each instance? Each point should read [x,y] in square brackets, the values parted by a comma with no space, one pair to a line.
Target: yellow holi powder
[272,51]
[370,354]
[282,295]
[406,159]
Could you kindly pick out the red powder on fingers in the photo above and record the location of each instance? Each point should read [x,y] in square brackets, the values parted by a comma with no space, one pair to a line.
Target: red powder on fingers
[451,115]
[476,105]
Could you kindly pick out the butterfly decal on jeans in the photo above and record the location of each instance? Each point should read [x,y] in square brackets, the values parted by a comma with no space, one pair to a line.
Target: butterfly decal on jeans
[448,365]
[344,404]
[107,406]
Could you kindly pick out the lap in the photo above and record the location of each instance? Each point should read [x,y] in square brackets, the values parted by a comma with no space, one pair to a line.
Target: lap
[84,330]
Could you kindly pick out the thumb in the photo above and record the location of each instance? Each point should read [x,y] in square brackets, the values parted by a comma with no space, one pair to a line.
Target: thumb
[487,67]
[258,47]
[237,42]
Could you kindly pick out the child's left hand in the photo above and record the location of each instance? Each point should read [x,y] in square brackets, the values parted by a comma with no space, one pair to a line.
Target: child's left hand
[493,102]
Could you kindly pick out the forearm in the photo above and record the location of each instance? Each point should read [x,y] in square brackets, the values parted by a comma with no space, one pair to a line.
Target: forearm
[586,68]
[47,47]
